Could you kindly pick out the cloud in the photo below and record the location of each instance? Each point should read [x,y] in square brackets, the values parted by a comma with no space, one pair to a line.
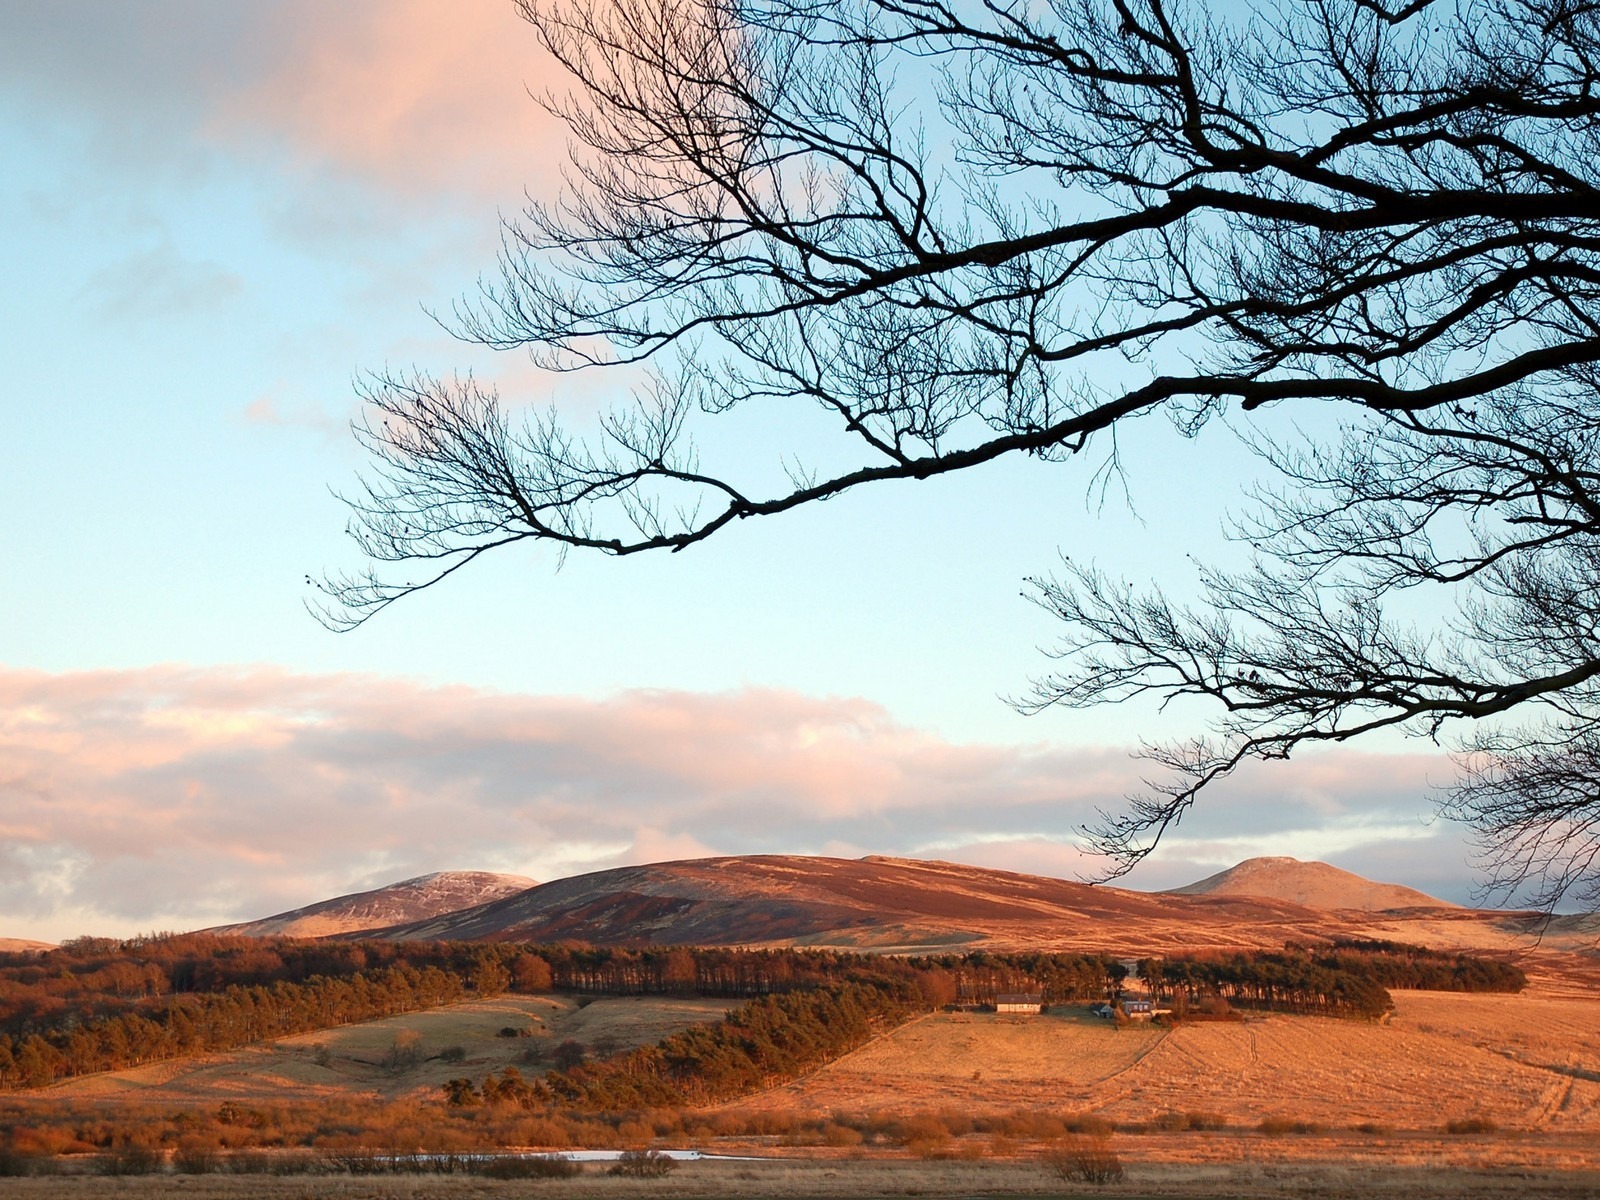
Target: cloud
[419,96]
[172,796]
[271,410]
[158,283]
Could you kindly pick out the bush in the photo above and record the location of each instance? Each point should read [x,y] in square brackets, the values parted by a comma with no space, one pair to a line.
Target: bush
[529,1166]
[15,1164]
[195,1158]
[1092,1124]
[834,1134]
[1276,1125]
[129,1160]
[643,1164]
[1472,1125]
[1085,1160]
[260,1162]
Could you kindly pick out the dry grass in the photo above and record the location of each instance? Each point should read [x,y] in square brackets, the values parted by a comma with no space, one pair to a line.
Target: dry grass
[838,1180]
[361,1058]
[1527,1062]
[973,1059]
[1377,1101]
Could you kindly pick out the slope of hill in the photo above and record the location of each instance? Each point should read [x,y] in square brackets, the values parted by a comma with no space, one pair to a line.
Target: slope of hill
[1313,884]
[877,903]
[419,899]
[22,946]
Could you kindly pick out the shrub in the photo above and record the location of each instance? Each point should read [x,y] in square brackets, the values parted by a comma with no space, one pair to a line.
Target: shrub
[1375,1129]
[643,1164]
[528,1166]
[195,1158]
[129,1160]
[15,1164]
[1472,1125]
[259,1162]
[453,1054]
[921,1129]
[834,1134]
[1085,1160]
[1276,1125]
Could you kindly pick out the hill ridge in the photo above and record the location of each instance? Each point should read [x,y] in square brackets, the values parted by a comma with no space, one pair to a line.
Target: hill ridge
[1314,884]
[416,899]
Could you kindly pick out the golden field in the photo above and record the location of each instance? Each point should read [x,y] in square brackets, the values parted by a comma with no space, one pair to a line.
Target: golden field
[964,1104]
[405,1055]
[1529,1062]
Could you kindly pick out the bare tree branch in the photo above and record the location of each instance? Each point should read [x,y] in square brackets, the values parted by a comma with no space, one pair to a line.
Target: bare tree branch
[964,230]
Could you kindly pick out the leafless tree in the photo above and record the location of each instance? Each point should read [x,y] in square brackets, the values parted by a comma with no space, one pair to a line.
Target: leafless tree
[965,230]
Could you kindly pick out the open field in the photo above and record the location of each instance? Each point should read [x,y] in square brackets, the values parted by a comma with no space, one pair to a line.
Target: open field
[828,1179]
[1351,1109]
[401,1056]
[1528,1062]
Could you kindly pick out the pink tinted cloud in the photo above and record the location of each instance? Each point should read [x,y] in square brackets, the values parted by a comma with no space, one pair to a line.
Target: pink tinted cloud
[418,94]
[176,796]
[421,96]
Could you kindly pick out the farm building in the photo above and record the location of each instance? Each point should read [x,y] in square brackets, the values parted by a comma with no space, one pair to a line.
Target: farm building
[1139,1010]
[1019,1002]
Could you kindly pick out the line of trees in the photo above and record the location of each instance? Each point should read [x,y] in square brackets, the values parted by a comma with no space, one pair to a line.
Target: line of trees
[975,977]
[763,1042]
[235,1016]
[93,979]
[1345,979]
[97,1005]
[1416,968]
[1287,982]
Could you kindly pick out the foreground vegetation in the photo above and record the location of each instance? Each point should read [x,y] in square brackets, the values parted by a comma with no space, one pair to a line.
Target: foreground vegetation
[100,1005]
[1348,978]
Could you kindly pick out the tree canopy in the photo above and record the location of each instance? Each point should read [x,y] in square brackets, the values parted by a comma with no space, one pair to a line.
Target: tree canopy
[965,230]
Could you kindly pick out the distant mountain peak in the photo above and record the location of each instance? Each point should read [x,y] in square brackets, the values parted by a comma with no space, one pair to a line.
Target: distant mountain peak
[421,898]
[1313,884]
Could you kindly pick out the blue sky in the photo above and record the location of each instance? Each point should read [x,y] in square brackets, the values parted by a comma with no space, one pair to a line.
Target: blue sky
[213,218]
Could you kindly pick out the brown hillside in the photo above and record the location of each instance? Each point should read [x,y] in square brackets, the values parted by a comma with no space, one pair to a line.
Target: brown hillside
[22,946]
[876,903]
[1313,884]
[907,905]
[419,899]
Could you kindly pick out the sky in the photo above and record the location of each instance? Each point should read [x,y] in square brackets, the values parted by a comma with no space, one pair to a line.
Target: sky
[214,218]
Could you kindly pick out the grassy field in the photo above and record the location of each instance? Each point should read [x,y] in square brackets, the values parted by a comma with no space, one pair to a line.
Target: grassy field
[963,1104]
[1528,1062]
[406,1055]
[837,1180]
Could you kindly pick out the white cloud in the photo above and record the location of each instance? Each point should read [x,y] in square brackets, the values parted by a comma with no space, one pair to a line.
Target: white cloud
[185,796]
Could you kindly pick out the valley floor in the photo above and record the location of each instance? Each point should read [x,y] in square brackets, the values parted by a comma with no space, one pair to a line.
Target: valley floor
[1528,1062]
[1372,1103]
[827,1179]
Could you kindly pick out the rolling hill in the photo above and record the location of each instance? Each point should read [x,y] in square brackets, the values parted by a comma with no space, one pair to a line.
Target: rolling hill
[418,899]
[1313,884]
[23,946]
[908,905]
[870,903]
